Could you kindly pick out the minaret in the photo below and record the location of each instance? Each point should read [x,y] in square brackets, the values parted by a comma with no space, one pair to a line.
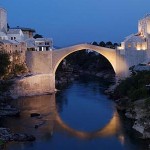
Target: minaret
[3,20]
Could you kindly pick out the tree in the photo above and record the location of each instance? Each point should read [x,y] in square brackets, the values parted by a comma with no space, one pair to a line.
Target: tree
[109,44]
[37,36]
[8,27]
[115,45]
[102,43]
[4,63]
[95,43]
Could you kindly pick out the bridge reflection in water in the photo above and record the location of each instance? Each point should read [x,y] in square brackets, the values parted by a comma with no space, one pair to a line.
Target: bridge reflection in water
[51,121]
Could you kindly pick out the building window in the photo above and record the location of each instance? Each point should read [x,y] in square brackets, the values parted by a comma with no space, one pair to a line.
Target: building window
[129,45]
[40,48]
[11,38]
[14,38]
[46,43]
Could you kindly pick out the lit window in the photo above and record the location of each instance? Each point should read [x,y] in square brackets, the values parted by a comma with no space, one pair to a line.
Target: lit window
[129,45]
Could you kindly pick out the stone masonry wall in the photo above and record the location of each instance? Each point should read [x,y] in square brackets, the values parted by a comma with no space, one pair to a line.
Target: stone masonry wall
[33,85]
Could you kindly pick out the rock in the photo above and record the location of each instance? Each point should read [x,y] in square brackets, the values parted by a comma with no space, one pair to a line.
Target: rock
[6,135]
[7,110]
[35,115]
[38,125]
[138,128]
[23,137]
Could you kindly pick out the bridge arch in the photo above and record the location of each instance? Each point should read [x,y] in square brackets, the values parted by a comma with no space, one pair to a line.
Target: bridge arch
[60,54]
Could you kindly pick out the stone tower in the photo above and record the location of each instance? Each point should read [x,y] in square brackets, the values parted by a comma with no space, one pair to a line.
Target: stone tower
[3,20]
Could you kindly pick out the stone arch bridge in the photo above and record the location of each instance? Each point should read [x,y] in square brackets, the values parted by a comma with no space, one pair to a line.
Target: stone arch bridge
[43,65]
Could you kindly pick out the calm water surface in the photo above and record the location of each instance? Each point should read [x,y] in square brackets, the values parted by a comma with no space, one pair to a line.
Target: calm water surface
[80,117]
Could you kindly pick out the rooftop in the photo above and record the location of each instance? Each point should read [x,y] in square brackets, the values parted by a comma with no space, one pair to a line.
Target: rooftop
[24,29]
[14,31]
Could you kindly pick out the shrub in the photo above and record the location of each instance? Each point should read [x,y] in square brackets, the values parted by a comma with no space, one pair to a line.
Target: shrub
[134,87]
[19,69]
[4,64]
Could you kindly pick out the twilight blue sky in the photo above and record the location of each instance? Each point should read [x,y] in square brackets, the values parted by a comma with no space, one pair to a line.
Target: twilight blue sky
[76,21]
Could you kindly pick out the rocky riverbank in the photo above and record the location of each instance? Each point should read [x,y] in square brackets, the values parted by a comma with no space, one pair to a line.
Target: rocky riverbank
[64,78]
[138,111]
[6,135]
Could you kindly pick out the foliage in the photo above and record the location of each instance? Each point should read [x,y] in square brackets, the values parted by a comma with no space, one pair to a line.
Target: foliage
[95,43]
[19,69]
[88,61]
[102,43]
[4,63]
[134,87]
[107,44]
[37,36]
[1,142]
[147,103]
[4,85]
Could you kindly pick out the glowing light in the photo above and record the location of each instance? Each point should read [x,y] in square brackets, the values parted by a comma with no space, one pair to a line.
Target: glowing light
[122,47]
[122,139]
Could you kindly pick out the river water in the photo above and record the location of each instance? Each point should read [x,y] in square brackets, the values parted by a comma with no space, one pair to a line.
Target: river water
[80,117]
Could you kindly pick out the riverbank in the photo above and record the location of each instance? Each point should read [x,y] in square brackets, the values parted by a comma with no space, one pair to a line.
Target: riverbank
[7,111]
[132,99]
[6,135]
[67,77]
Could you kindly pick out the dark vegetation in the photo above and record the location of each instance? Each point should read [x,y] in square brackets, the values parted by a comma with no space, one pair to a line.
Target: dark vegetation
[4,64]
[8,70]
[84,64]
[135,87]
[38,36]
[108,44]
[19,69]
[86,61]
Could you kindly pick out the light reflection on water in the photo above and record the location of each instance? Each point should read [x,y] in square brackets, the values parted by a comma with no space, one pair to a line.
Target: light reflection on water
[76,118]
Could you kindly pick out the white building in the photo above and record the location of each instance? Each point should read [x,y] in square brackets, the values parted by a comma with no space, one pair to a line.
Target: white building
[140,40]
[136,48]
[39,44]
[21,34]
[16,35]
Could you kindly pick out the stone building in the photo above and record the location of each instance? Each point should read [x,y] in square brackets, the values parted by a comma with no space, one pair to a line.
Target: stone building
[136,48]
[20,39]
[14,49]
[39,44]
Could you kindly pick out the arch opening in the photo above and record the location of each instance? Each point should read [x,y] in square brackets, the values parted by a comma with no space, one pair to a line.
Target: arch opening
[91,62]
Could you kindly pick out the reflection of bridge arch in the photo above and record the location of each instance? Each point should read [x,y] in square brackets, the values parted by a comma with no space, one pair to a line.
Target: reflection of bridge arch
[60,54]
[112,128]
[46,105]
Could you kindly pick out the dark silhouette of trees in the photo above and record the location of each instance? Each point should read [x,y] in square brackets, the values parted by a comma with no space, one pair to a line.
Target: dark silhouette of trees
[95,43]
[115,45]
[4,63]
[102,43]
[37,36]
[109,44]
